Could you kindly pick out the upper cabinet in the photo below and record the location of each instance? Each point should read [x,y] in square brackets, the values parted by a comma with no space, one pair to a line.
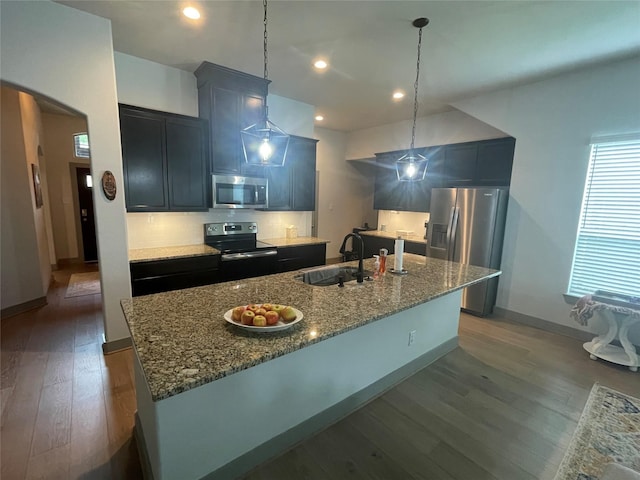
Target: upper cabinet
[230,100]
[293,187]
[470,164]
[165,161]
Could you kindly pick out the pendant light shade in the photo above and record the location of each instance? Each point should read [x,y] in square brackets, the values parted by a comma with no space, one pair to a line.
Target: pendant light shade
[412,167]
[264,143]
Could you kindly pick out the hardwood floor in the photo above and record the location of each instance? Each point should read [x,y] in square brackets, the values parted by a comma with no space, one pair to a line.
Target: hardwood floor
[502,406]
[67,410]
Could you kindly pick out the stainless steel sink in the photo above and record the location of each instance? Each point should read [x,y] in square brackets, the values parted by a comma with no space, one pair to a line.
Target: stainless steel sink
[325,276]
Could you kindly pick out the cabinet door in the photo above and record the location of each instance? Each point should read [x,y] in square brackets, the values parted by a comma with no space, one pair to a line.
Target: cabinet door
[302,155]
[495,161]
[225,128]
[279,187]
[144,161]
[187,164]
[372,245]
[460,164]
[387,194]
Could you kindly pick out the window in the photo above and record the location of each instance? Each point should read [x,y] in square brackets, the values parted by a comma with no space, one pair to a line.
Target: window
[607,255]
[81,145]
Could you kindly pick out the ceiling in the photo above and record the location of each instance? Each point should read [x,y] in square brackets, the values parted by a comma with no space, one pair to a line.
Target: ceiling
[469,47]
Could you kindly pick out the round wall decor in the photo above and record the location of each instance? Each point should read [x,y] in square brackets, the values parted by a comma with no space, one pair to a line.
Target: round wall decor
[109,185]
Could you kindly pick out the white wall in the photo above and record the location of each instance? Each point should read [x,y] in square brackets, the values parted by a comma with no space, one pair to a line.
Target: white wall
[440,129]
[44,48]
[148,84]
[151,85]
[553,122]
[345,196]
[59,150]
[21,270]
[33,139]
[412,221]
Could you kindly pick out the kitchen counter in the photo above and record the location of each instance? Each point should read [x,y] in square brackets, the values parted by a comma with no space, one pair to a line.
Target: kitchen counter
[183,341]
[165,253]
[294,242]
[409,238]
[214,400]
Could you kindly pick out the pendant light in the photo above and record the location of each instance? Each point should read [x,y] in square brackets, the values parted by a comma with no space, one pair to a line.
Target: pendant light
[412,167]
[264,143]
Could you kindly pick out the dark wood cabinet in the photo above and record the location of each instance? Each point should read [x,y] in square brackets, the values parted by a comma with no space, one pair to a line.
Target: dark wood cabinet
[301,256]
[165,161]
[174,274]
[495,162]
[230,100]
[460,164]
[373,244]
[392,194]
[293,186]
[470,164]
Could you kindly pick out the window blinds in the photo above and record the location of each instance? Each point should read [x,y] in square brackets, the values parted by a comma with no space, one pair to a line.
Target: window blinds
[607,255]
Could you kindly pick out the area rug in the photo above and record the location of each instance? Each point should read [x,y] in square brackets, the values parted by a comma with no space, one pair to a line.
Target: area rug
[81,284]
[608,431]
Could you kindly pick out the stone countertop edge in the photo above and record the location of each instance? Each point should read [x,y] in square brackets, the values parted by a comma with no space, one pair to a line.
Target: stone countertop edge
[166,253]
[407,238]
[294,242]
[183,341]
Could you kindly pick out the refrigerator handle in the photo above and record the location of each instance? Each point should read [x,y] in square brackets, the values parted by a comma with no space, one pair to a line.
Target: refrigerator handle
[452,232]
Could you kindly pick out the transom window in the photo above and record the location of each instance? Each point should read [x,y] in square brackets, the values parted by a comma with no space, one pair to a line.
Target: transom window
[81,145]
[607,254]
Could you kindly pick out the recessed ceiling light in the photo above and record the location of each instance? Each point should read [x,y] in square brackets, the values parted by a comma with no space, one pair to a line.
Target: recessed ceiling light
[398,94]
[320,64]
[191,12]
[319,118]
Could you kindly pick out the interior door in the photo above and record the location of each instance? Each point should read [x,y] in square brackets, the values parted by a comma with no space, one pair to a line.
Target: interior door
[86,215]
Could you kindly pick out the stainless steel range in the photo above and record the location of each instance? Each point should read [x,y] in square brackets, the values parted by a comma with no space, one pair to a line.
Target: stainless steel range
[242,254]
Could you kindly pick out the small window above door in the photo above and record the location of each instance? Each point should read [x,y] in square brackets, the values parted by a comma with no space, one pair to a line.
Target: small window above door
[81,145]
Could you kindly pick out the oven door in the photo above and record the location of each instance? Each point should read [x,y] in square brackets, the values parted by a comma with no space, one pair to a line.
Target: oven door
[235,266]
[239,192]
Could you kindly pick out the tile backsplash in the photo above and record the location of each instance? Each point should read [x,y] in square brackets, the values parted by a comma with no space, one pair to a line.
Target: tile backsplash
[393,220]
[145,230]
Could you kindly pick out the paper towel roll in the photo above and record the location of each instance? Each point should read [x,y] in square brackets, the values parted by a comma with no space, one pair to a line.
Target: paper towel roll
[399,252]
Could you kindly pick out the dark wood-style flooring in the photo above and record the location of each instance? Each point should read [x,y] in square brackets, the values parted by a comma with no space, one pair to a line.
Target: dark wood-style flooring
[502,406]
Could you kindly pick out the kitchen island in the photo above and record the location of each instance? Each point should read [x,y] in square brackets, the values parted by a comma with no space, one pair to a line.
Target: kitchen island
[213,398]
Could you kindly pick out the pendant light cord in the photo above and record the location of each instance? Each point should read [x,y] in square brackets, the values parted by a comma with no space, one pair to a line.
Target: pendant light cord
[266,71]
[415,90]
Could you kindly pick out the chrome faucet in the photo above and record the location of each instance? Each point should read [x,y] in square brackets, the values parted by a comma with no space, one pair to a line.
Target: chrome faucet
[355,236]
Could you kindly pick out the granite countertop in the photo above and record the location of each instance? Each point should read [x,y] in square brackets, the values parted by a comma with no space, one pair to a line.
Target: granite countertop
[409,238]
[183,341]
[165,253]
[293,242]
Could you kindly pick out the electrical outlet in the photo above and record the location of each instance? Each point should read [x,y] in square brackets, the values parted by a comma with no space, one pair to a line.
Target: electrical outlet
[412,337]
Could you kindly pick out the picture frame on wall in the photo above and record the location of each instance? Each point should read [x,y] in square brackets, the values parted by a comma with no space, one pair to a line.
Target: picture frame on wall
[37,187]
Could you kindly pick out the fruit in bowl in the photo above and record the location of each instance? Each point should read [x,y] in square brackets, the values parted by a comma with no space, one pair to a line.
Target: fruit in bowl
[236,313]
[259,321]
[247,317]
[288,314]
[272,317]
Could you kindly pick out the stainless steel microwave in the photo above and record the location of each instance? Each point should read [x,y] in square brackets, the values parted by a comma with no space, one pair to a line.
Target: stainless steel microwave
[239,192]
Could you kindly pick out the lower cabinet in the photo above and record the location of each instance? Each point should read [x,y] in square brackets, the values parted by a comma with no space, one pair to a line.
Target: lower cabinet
[173,274]
[302,256]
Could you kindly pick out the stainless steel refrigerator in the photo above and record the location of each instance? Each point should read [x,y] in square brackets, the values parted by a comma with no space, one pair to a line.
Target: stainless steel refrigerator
[466,225]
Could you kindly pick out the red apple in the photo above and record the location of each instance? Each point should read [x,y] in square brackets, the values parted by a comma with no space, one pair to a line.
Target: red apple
[253,307]
[236,314]
[247,317]
[259,321]
[261,311]
[272,317]
[267,306]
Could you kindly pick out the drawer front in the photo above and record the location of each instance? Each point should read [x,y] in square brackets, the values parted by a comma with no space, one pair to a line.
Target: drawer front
[158,268]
